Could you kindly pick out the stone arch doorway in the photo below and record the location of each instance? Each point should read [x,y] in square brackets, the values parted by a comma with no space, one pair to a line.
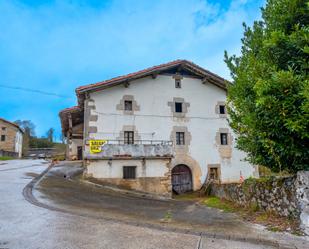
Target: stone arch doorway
[194,167]
[181,179]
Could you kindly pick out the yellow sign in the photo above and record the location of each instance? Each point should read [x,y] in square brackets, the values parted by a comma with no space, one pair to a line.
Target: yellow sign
[96,145]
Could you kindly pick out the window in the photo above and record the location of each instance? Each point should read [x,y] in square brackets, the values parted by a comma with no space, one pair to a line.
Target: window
[2,138]
[129,172]
[128,105]
[213,174]
[222,109]
[3,128]
[180,138]
[178,83]
[178,107]
[223,138]
[129,137]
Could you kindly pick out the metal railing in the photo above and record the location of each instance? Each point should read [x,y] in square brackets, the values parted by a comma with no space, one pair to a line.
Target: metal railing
[143,142]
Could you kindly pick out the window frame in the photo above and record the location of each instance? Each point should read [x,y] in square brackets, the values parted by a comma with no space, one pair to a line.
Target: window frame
[129,172]
[3,128]
[222,107]
[128,137]
[214,173]
[3,138]
[177,106]
[177,83]
[128,103]
[224,138]
[180,138]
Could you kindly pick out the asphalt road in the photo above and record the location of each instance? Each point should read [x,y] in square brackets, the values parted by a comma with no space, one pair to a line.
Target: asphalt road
[68,221]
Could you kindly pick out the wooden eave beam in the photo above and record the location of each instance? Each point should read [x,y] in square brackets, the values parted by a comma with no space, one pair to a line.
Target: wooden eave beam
[126,84]
[154,75]
[179,68]
[70,123]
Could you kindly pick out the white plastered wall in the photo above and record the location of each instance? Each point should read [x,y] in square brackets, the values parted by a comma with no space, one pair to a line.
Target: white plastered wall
[73,147]
[19,143]
[114,168]
[155,119]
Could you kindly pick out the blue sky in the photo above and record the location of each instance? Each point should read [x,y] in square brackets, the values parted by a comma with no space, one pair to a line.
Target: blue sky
[55,46]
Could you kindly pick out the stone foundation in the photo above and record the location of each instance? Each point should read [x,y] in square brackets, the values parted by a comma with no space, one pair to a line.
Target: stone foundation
[152,176]
[159,186]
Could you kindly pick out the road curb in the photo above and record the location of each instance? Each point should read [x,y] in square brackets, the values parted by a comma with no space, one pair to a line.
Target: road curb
[28,195]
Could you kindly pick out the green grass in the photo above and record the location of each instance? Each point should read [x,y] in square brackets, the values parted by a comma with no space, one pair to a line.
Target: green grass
[263,217]
[58,157]
[187,196]
[215,202]
[59,147]
[252,213]
[4,158]
[168,215]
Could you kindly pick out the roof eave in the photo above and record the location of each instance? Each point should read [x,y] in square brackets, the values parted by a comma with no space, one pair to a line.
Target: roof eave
[211,77]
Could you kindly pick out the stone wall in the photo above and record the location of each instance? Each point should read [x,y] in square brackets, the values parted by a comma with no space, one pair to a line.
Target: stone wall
[152,176]
[286,196]
[153,186]
[9,131]
[8,153]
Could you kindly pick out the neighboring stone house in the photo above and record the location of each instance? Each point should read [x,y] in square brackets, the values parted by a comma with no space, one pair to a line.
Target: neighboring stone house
[11,138]
[158,130]
[73,128]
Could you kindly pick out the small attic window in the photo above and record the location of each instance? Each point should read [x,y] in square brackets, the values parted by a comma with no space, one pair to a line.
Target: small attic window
[177,83]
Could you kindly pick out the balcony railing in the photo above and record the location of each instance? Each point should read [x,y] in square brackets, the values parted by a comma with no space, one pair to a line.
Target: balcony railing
[144,142]
[113,149]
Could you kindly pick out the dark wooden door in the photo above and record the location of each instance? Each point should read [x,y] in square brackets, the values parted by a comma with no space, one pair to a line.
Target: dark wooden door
[181,179]
[79,153]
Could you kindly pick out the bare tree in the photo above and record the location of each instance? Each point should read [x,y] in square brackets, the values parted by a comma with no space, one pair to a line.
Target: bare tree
[50,134]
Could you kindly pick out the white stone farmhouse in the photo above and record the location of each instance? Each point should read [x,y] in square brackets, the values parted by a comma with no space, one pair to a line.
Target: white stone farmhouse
[164,129]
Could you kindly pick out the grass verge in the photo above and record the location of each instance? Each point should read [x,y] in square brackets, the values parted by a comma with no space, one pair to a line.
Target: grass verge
[4,158]
[215,202]
[251,214]
[191,196]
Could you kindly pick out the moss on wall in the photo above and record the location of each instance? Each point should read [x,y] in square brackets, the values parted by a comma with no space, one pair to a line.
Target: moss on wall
[275,194]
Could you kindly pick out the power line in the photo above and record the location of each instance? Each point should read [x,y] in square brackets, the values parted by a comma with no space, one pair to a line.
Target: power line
[35,91]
